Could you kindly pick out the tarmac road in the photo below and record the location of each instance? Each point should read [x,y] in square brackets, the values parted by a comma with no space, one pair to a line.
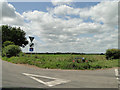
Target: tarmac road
[25,76]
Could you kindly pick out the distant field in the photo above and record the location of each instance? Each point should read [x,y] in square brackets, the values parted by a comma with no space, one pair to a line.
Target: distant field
[64,61]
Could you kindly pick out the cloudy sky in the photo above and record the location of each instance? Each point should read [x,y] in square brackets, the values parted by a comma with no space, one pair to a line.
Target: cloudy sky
[65,26]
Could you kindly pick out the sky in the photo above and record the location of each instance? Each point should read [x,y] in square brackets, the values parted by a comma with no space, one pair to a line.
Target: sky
[81,27]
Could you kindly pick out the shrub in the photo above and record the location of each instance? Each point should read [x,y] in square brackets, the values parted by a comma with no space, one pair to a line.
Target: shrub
[6,43]
[96,66]
[21,54]
[11,50]
[112,54]
[78,66]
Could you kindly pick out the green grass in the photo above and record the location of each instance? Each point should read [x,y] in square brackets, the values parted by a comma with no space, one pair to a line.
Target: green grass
[64,61]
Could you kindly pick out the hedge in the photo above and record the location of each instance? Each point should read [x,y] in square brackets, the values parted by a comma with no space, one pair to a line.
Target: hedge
[112,54]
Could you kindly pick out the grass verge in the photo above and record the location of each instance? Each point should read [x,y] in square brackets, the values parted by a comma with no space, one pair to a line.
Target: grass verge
[65,61]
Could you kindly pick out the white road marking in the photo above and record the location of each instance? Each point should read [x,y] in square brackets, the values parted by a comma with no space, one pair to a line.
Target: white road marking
[116,73]
[56,81]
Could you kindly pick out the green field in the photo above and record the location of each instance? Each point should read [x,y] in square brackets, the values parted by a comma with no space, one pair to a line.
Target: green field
[64,61]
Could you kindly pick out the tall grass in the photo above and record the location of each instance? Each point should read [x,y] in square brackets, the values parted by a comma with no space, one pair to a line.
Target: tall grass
[64,61]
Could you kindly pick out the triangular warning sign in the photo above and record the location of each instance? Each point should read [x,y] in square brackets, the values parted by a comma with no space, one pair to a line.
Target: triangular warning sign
[31,38]
[50,82]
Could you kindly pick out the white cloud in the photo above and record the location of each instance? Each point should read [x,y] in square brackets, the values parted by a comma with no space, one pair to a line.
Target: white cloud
[106,12]
[10,16]
[61,2]
[55,33]
[64,10]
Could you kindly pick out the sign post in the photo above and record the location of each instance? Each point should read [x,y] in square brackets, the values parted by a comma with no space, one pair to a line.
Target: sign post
[31,49]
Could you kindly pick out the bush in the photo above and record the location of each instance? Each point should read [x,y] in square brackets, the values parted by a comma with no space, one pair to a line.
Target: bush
[6,43]
[21,54]
[96,66]
[112,54]
[11,50]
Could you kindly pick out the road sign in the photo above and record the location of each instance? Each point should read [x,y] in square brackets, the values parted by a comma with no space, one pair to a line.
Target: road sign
[31,49]
[31,38]
[31,44]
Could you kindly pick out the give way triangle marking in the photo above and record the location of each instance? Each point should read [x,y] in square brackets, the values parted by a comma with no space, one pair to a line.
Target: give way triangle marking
[54,82]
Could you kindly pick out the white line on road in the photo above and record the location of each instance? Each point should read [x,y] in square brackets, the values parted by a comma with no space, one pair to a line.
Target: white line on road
[56,81]
[38,76]
[116,73]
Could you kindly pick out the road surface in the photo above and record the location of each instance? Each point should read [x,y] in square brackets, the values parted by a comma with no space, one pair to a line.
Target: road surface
[25,76]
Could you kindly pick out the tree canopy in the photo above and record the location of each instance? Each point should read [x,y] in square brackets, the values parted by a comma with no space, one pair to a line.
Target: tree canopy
[14,34]
[6,43]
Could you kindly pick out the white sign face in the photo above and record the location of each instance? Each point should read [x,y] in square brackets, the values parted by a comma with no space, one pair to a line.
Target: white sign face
[55,81]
